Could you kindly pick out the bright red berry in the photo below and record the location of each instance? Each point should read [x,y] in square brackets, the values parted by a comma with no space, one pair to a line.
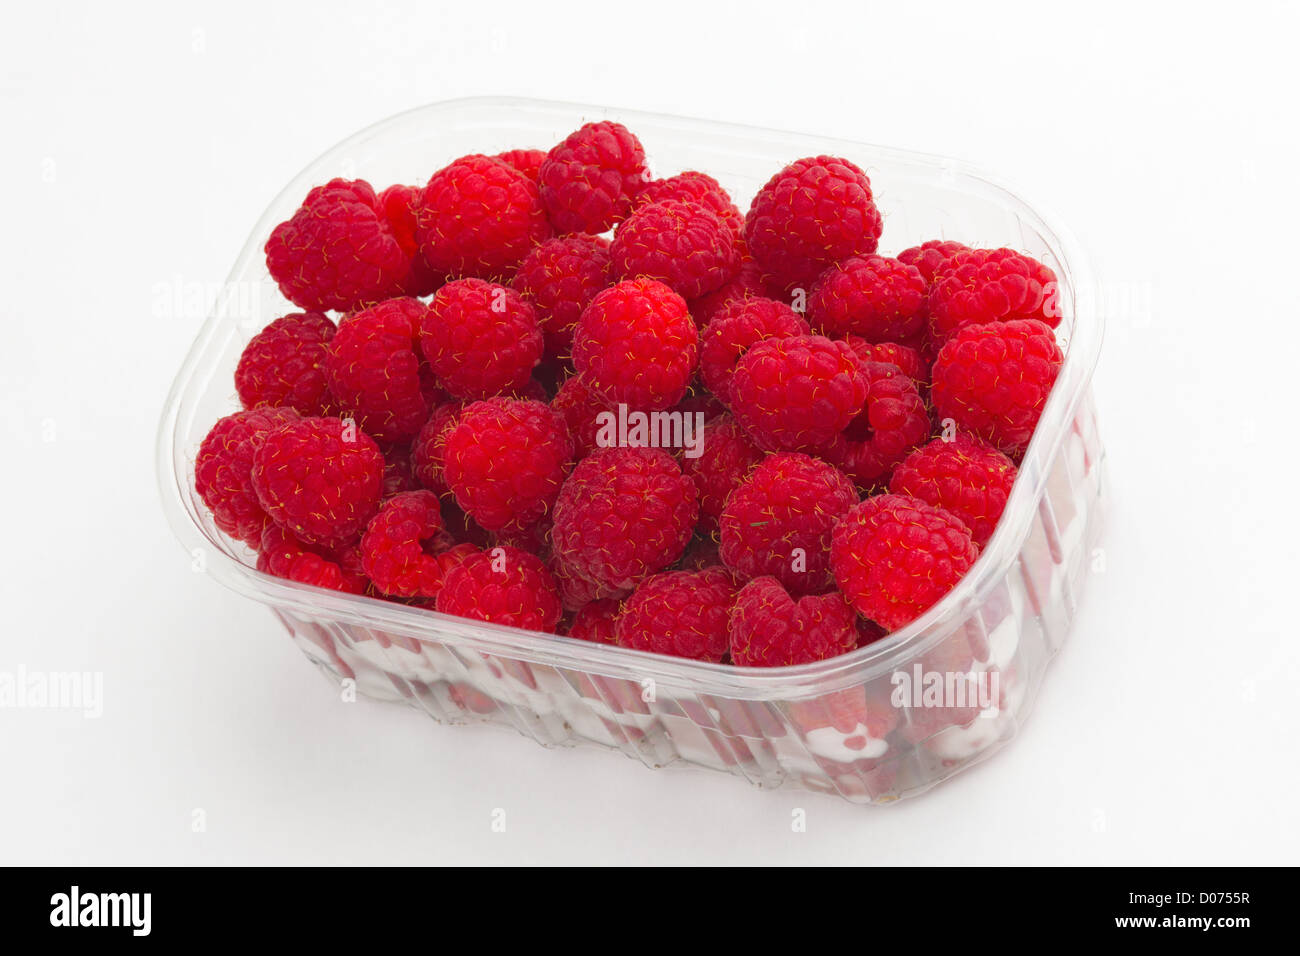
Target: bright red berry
[637,344]
[878,298]
[778,521]
[964,475]
[737,326]
[337,250]
[893,421]
[813,213]
[581,408]
[401,206]
[224,465]
[428,450]
[682,613]
[502,585]
[994,379]
[505,460]
[727,455]
[478,217]
[320,478]
[283,555]
[284,364]
[895,556]
[769,628]
[588,181]
[560,278]
[684,245]
[979,286]
[594,621]
[527,161]
[481,339]
[696,187]
[397,544]
[623,514]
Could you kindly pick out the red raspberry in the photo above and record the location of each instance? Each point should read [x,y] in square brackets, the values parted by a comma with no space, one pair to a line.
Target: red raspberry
[284,364]
[373,365]
[560,278]
[748,281]
[395,549]
[321,478]
[906,359]
[813,213]
[481,339]
[623,514]
[576,592]
[580,406]
[768,628]
[779,520]
[428,451]
[594,621]
[700,188]
[994,380]
[682,244]
[223,470]
[880,299]
[337,251]
[891,424]
[930,257]
[505,461]
[636,344]
[589,180]
[737,326]
[285,556]
[726,458]
[682,613]
[502,586]
[991,285]
[964,476]
[478,217]
[527,161]
[797,392]
[895,556]
[401,205]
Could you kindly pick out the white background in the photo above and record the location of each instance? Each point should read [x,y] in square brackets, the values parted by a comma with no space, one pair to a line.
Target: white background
[138,149]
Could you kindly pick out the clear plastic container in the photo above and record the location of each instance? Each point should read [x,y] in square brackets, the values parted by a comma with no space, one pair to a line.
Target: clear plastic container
[829,726]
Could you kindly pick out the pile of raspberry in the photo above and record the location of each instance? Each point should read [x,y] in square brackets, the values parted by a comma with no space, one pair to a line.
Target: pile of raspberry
[430,423]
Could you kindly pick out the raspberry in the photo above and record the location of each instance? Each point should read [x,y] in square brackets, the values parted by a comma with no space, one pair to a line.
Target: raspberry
[320,478]
[813,213]
[527,161]
[481,339]
[636,344]
[748,281]
[880,299]
[682,613]
[964,476]
[779,520]
[726,458]
[284,364]
[395,547]
[283,555]
[478,217]
[895,556]
[737,326]
[594,621]
[768,628]
[576,592]
[580,406]
[623,514]
[337,251]
[588,181]
[428,451]
[892,423]
[223,470]
[797,392]
[994,380]
[502,586]
[906,359]
[700,188]
[979,286]
[373,366]
[505,461]
[401,206]
[559,278]
[930,257]
[682,244]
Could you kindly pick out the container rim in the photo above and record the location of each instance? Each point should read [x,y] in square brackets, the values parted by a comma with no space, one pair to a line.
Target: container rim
[198,535]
